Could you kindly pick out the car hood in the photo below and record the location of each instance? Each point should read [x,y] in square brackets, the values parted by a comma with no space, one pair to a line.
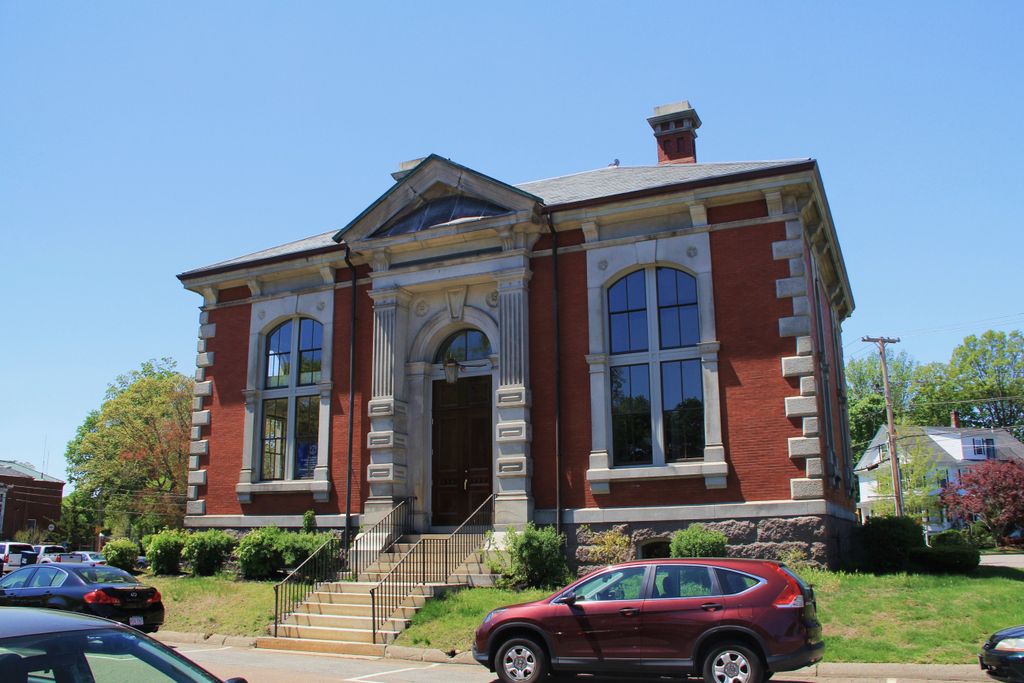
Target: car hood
[1011,632]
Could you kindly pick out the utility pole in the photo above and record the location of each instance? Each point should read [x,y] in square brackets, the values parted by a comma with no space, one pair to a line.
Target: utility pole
[897,482]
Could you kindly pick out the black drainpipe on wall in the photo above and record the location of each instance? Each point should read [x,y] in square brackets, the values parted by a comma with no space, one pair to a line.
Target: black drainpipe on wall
[558,375]
[351,396]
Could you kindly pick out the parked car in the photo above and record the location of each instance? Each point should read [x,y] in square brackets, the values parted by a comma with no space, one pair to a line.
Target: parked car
[730,620]
[79,556]
[99,590]
[43,551]
[41,644]
[16,555]
[1002,655]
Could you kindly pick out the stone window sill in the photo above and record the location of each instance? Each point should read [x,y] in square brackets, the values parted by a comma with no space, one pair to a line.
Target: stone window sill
[320,489]
[714,474]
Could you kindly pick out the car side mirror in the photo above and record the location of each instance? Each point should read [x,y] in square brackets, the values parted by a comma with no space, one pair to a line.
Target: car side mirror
[567,599]
[236,680]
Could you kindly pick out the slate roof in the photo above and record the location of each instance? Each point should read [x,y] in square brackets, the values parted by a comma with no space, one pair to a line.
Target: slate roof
[587,185]
[12,468]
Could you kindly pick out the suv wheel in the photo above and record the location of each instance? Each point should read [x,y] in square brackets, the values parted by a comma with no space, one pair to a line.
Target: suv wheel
[733,663]
[521,660]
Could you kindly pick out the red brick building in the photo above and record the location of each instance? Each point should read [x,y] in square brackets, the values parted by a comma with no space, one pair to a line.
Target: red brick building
[28,499]
[647,346]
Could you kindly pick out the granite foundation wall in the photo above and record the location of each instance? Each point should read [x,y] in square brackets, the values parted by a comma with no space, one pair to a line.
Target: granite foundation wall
[825,541]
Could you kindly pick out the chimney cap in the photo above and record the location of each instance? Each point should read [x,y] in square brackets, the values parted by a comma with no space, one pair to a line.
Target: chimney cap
[406,167]
[677,111]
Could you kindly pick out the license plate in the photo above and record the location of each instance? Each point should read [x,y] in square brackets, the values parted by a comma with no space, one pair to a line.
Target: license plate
[136,621]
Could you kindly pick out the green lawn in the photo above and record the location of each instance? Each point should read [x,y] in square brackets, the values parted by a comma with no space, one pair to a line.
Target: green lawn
[914,618]
[215,604]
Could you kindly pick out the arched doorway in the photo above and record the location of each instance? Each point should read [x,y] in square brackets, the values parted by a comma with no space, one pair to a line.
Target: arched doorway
[462,446]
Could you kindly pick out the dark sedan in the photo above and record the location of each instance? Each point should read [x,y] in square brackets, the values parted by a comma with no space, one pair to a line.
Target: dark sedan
[1002,655]
[101,590]
[45,645]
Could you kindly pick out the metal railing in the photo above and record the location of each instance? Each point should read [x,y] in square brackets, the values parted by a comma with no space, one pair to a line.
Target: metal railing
[430,560]
[368,545]
[333,561]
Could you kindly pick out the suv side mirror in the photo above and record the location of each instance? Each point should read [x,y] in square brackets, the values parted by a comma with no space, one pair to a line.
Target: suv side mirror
[566,599]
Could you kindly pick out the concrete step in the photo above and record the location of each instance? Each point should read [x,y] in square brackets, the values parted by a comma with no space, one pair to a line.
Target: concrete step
[348,635]
[344,622]
[336,647]
[348,609]
[416,599]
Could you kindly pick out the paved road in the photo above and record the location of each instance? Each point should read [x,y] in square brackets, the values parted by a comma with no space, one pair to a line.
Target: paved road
[269,666]
[1014,560]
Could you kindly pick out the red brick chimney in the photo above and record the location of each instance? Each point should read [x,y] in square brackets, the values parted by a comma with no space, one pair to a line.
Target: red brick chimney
[675,128]
[954,419]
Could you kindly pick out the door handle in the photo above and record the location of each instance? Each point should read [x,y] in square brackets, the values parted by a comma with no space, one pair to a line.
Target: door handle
[465,484]
[629,611]
[711,606]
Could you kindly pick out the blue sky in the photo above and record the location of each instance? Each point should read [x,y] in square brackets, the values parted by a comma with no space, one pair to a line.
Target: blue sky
[139,140]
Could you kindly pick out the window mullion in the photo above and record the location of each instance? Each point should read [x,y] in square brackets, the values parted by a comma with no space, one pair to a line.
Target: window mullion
[654,367]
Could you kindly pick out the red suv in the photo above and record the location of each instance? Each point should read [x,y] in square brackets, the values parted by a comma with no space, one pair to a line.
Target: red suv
[732,620]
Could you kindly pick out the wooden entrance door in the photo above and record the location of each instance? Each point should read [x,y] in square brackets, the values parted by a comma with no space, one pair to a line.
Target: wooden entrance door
[462,448]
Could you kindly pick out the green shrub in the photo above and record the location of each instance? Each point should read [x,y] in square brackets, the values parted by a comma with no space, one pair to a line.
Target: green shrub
[888,542]
[309,521]
[535,558]
[697,541]
[948,559]
[259,553]
[295,548]
[207,551]
[950,537]
[607,547]
[164,551]
[121,553]
[980,536]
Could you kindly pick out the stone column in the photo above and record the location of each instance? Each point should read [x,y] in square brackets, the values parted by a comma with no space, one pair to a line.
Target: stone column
[386,440]
[514,501]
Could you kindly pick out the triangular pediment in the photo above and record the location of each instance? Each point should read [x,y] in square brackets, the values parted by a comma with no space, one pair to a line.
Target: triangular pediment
[438,193]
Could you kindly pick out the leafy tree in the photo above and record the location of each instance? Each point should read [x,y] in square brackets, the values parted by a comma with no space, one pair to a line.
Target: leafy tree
[864,378]
[989,370]
[993,491]
[919,477]
[935,397]
[131,454]
[867,414]
[78,516]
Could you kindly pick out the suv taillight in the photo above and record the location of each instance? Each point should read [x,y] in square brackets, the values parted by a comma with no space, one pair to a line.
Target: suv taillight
[792,596]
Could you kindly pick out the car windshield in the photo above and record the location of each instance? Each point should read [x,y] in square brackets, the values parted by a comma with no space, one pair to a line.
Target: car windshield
[105,575]
[95,657]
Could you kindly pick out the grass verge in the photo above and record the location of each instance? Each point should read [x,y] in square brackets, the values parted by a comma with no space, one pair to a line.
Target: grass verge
[447,623]
[905,618]
[215,604]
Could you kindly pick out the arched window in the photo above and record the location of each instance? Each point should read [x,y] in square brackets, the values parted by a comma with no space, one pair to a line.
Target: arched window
[657,406]
[290,407]
[463,346]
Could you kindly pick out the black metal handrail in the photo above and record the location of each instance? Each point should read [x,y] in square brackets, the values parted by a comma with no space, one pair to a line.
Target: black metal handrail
[322,565]
[368,545]
[430,560]
[333,561]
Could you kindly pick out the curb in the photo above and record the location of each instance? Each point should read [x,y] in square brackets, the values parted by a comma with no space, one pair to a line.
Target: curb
[203,638]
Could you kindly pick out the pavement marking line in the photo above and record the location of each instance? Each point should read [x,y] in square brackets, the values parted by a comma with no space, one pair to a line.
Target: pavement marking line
[362,679]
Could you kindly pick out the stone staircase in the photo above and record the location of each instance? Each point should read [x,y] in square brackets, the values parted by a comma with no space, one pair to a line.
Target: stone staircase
[337,617]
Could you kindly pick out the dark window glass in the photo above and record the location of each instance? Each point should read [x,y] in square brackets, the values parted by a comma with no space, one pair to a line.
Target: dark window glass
[275,438]
[631,415]
[307,427]
[101,574]
[655,549]
[734,582]
[682,403]
[625,583]
[16,579]
[677,309]
[627,314]
[44,576]
[681,581]
[439,212]
[311,338]
[279,352]
[465,345]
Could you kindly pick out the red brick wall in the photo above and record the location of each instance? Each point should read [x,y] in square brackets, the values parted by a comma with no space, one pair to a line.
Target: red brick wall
[230,347]
[30,499]
[575,409]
